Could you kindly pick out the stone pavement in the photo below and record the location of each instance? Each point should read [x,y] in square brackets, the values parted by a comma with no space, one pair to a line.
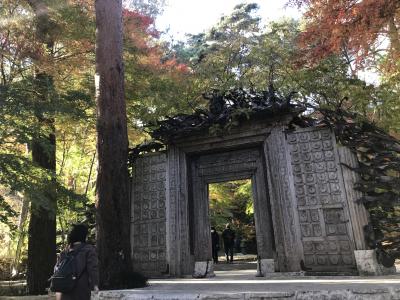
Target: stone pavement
[242,284]
[42,297]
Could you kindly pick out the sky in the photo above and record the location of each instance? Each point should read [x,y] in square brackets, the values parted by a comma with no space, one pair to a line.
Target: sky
[195,16]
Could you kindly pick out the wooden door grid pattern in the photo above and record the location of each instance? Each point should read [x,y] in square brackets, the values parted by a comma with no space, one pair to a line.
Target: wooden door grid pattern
[321,203]
[215,166]
[148,214]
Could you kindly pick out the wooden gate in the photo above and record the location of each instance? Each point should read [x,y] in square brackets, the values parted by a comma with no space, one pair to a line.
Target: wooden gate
[323,214]
[148,221]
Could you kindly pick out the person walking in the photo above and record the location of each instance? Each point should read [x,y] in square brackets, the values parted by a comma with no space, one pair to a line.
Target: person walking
[228,236]
[86,264]
[214,244]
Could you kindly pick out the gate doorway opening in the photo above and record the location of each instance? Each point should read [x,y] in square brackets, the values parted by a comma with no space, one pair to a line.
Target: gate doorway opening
[226,167]
[231,202]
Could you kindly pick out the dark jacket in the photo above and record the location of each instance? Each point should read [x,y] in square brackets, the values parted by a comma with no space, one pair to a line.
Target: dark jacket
[228,235]
[87,266]
[215,240]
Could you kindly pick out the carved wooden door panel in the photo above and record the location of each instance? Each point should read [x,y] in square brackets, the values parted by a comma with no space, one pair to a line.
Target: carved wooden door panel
[148,222]
[326,232]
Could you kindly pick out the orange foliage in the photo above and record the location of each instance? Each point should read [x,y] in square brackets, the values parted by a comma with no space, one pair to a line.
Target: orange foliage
[359,26]
[140,34]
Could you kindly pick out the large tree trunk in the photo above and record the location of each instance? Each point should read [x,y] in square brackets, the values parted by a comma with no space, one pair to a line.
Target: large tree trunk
[112,147]
[42,224]
[41,251]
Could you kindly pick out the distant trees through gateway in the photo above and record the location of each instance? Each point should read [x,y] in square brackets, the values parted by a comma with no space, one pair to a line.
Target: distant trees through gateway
[232,203]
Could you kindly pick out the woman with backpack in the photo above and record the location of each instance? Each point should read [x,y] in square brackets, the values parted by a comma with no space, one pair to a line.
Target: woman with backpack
[76,272]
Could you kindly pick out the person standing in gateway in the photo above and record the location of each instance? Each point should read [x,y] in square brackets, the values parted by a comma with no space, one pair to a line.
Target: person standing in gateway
[228,236]
[214,244]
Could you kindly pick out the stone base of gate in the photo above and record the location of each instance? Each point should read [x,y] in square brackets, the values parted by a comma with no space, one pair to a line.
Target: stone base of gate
[228,286]
[265,267]
[368,265]
[203,269]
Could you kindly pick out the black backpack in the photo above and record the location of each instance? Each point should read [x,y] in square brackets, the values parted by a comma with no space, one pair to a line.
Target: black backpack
[65,275]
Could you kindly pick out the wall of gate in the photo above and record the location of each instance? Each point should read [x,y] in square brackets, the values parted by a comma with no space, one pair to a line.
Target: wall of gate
[325,227]
[148,220]
[304,200]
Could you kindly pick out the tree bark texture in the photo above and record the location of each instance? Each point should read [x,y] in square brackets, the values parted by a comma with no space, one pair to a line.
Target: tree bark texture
[112,147]
[42,224]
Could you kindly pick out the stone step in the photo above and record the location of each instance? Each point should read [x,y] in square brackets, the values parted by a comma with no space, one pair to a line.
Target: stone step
[367,294]
[243,285]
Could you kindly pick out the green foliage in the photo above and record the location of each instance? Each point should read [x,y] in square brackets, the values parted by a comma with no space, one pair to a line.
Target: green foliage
[156,85]
[232,202]
[385,109]
[48,90]
[6,212]
[238,52]
[150,8]
[20,113]
[221,57]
